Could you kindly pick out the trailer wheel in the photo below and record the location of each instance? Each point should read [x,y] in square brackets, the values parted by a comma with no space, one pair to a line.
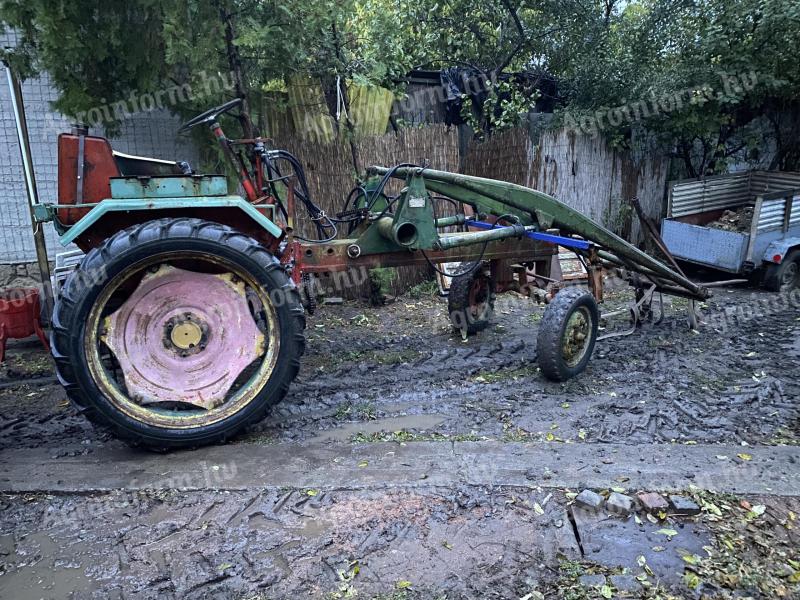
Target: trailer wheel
[177,333]
[470,301]
[567,334]
[785,276]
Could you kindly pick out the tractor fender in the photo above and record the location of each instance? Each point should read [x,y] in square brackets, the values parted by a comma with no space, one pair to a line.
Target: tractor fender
[778,249]
[157,205]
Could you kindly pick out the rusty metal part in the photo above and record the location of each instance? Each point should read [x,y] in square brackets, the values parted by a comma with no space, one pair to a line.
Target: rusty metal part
[340,255]
[635,309]
[651,229]
[594,267]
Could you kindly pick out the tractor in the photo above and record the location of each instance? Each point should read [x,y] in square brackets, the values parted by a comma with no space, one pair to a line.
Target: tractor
[183,324]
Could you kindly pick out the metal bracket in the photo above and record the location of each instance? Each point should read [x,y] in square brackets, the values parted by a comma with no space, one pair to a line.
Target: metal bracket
[635,309]
[81,167]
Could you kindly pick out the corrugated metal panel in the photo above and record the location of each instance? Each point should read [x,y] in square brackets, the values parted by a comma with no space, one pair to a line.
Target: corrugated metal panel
[773,213]
[771,216]
[713,193]
[762,182]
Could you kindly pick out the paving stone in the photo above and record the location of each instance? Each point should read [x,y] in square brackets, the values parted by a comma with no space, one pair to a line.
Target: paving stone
[619,503]
[625,583]
[589,499]
[592,580]
[653,502]
[684,506]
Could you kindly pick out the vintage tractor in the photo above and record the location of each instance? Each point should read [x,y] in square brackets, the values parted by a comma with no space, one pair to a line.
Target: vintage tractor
[184,322]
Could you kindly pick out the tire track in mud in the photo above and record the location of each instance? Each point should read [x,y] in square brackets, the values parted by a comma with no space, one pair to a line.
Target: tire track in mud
[404,367]
[664,383]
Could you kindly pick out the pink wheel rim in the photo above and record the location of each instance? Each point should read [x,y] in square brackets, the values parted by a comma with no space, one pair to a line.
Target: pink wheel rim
[184,337]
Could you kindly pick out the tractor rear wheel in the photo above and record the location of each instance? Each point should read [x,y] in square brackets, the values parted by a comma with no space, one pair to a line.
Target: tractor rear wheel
[177,333]
[567,334]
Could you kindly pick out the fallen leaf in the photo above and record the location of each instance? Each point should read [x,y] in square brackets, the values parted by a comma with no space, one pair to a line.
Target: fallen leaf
[402,585]
[538,509]
[582,434]
[691,580]
[744,456]
[606,591]
[363,464]
[670,533]
[447,544]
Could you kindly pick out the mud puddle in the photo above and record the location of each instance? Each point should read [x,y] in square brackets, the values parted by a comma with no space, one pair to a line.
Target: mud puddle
[298,543]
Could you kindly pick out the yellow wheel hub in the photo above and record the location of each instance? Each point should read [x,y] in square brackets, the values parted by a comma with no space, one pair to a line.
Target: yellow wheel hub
[186,335]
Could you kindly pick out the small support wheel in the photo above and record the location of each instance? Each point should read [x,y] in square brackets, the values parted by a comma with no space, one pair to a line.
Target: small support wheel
[785,276]
[567,334]
[470,301]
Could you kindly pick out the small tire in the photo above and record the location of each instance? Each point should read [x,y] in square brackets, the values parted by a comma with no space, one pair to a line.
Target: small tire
[122,253]
[785,276]
[556,365]
[470,301]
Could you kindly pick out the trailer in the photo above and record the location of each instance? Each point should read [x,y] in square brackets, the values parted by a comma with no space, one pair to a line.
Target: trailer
[765,247]
[183,324]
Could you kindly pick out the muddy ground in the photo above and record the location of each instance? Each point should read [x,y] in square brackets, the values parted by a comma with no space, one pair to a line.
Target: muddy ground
[398,373]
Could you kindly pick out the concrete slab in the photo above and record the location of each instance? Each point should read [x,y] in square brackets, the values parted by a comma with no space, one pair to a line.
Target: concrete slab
[390,465]
[619,542]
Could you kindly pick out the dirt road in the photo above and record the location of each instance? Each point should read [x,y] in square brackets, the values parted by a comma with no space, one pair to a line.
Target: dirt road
[396,379]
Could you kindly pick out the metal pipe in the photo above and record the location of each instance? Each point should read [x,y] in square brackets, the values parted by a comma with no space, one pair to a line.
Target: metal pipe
[478,237]
[17,103]
[403,234]
[450,221]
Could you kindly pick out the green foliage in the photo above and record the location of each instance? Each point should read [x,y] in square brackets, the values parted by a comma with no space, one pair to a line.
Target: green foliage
[711,78]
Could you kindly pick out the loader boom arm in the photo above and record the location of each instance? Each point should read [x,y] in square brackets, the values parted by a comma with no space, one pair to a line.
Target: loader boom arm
[530,206]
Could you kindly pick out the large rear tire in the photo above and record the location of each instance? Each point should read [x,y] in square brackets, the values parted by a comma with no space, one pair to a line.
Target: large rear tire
[177,333]
[567,334]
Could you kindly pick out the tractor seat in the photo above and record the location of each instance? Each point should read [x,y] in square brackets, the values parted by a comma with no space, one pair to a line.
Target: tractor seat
[130,165]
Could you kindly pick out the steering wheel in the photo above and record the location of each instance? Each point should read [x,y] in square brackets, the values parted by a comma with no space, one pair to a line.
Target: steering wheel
[210,115]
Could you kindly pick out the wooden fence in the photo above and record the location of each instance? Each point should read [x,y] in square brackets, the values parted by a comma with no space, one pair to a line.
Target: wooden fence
[581,171]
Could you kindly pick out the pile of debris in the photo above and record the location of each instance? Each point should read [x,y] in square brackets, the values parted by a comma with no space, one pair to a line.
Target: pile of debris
[735,220]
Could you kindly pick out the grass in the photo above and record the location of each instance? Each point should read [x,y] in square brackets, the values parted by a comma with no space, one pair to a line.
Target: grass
[426,289]
[361,411]
[510,374]
[403,435]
